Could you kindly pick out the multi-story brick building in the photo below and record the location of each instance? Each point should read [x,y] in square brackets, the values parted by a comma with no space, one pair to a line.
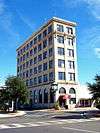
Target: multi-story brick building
[47,62]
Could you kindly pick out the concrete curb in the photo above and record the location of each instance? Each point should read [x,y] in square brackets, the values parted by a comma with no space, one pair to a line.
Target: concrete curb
[9,115]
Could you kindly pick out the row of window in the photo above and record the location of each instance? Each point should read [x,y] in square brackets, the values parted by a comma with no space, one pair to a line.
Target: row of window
[38,69]
[38,58]
[60,39]
[71,76]
[40,79]
[39,96]
[36,39]
[68,30]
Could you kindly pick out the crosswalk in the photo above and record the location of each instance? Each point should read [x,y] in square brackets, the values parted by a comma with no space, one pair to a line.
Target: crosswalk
[44,123]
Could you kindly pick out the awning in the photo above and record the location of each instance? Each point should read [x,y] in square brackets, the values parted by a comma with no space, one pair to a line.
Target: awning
[66,97]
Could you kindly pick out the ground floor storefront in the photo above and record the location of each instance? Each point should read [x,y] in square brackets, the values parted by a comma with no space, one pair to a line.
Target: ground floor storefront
[46,96]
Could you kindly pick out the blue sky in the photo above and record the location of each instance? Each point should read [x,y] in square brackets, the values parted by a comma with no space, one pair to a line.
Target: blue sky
[20,18]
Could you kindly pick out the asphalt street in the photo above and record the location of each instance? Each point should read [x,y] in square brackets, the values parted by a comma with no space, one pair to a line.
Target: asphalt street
[49,122]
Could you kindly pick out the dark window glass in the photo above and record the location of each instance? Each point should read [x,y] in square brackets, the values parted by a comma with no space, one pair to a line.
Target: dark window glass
[60,39]
[40,47]
[50,29]
[44,43]
[51,64]
[45,33]
[39,37]
[45,55]
[45,66]
[60,28]
[40,79]
[61,75]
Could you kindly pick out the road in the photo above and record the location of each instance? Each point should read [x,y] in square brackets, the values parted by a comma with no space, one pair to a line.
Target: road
[50,122]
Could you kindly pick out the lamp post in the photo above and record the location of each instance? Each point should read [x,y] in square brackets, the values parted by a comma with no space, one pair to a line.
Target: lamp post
[54,88]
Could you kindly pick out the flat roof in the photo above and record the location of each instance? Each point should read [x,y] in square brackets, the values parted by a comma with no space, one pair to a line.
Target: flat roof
[56,19]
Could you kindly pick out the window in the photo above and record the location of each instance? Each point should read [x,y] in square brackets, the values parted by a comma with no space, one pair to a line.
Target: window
[72,101]
[60,39]
[60,28]
[40,79]
[27,55]
[27,82]
[35,40]
[27,73]
[70,41]
[18,69]
[27,46]
[44,43]
[27,64]
[31,52]
[45,66]
[61,51]
[24,66]
[50,29]
[61,63]
[71,64]
[44,33]
[50,40]
[31,72]
[31,43]
[71,76]
[51,76]
[18,61]
[35,80]
[31,82]
[35,50]
[23,49]
[71,52]
[40,96]
[24,74]
[23,58]
[21,68]
[31,62]
[45,96]
[45,55]
[50,52]
[39,68]
[35,60]
[35,70]
[39,37]
[40,47]
[40,57]
[61,75]
[69,30]
[72,91]
[45,78]
[51,64]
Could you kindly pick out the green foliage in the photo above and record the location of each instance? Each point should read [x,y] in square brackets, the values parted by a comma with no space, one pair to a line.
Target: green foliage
[94,89]
[16,90]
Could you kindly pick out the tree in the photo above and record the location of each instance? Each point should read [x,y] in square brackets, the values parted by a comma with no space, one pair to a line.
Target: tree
[17,90]
[94,89]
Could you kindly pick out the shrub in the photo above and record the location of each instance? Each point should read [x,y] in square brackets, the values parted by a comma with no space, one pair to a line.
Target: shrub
[56,106]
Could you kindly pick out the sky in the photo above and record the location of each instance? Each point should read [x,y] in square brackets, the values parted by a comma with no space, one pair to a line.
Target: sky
[20,18]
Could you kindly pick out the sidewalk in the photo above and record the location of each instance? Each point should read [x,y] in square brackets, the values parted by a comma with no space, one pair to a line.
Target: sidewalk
[8,115]
[68,110]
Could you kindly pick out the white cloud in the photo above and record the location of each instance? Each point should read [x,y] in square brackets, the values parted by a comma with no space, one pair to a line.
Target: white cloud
[93,6]
[26,20]
[97,52]
[90,41]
